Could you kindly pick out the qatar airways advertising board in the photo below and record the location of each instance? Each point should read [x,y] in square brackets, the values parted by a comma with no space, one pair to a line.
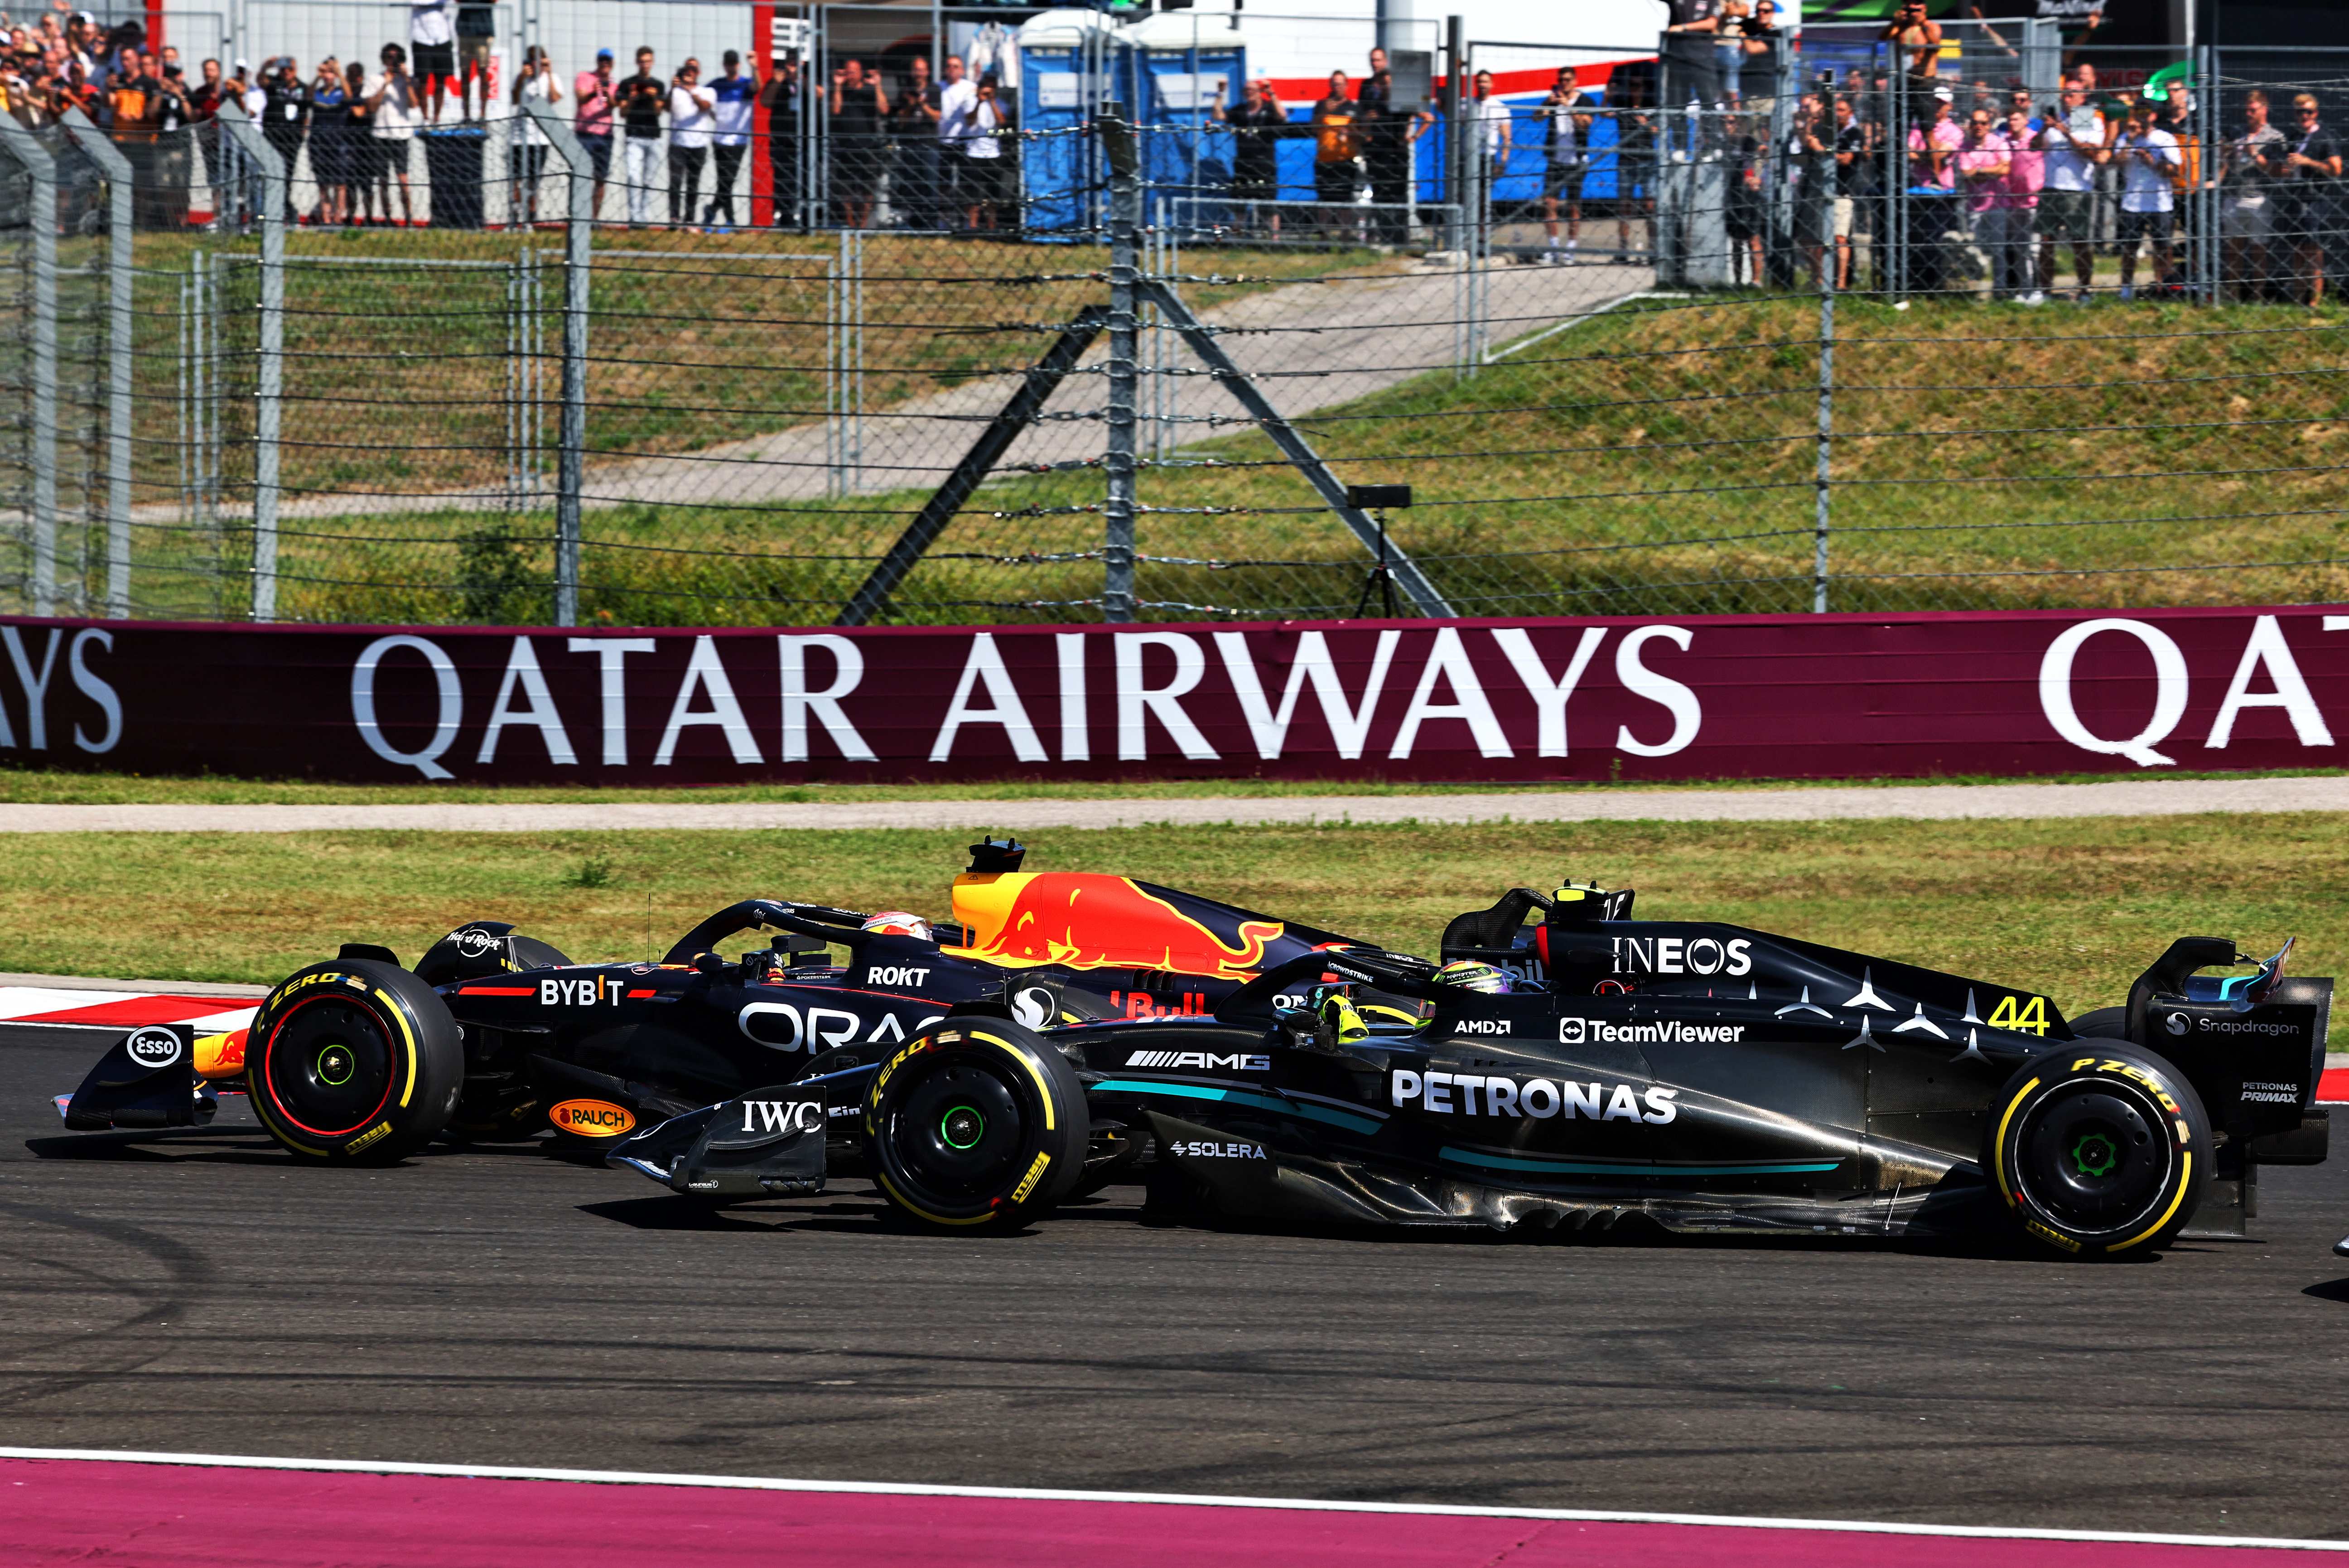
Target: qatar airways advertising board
[1624,698]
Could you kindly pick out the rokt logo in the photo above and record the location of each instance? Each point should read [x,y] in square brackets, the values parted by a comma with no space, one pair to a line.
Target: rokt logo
[886,976]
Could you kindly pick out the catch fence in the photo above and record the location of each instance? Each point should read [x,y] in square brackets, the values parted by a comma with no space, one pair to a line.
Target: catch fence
[1692,364]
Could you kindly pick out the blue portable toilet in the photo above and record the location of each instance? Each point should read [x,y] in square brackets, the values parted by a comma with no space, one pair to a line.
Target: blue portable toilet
[1070,63]
[1186,66]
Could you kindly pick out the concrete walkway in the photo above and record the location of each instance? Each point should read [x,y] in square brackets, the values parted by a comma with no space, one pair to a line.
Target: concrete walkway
[2129,797]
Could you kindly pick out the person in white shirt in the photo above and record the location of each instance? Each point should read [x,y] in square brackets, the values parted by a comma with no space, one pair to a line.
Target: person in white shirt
[956,95]
[2148,158]
[391,98]
[2074,142]
[432,33]
[536,85]
[692,119]
[988,163]
[1492,118]
[738,97]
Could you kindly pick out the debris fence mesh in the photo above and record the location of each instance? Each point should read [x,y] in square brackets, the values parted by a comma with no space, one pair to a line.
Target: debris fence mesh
[1632,356]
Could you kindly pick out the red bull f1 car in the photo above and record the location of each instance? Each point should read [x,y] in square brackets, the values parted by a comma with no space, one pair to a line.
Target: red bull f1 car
[1560,1065]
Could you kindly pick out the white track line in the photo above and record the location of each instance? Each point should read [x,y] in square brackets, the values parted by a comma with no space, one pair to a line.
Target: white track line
[1037,1494]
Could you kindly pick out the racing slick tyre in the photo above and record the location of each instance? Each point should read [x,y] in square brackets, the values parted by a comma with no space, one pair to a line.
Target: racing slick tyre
[2099,1149]
[976,1122]
[354,1062]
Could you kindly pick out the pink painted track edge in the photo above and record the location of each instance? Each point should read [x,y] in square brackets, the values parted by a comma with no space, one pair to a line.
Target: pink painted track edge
[1047,1494]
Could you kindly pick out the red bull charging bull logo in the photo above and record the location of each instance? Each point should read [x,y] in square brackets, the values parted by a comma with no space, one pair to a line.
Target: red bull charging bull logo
[1091,921]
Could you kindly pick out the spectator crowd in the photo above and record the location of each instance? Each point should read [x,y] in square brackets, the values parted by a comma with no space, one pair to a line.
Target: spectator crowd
[1950,184]
[684,139]
[1942,183]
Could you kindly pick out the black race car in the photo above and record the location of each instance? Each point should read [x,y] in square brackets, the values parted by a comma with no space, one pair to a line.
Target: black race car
[1707,1078]
[497,1035]
[1560,1063]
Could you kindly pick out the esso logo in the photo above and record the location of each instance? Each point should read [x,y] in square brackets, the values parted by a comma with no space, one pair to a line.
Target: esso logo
[2178,1023]
[153,1047]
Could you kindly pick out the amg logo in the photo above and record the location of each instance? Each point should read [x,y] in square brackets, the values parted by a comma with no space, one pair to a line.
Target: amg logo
[1204,1061]
[592,992]
[1665,1032]
[1482,1026]
[782,1116]
[1199,1150]
[879,975]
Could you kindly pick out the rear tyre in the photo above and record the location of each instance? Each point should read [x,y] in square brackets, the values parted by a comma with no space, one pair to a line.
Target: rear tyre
[354,1062]
[2104,1023]
[2099,1150]
[977,1123]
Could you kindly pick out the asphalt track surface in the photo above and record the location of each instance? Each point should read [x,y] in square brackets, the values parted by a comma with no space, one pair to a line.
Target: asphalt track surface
[2123,797]
[199,1293]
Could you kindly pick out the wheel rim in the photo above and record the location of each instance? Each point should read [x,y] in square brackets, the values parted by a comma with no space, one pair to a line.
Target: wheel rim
[955,1139]
[327,1067]
[962,1128]
[2094,1159]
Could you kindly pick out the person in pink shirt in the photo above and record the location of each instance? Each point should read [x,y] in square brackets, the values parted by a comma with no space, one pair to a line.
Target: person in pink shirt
[1933,205]
[2026,175]
[1981,166]
[592,94]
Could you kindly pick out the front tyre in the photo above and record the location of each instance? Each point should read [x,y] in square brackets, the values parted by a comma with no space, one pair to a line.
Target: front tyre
[976,1122]
[2099,1149]
[354,1062]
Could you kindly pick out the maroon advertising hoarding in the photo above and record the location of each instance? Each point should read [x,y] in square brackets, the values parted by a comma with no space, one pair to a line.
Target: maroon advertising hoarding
[1611,698]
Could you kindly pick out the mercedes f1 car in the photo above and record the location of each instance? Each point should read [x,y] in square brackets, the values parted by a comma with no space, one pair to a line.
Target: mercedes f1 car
[1560,1065]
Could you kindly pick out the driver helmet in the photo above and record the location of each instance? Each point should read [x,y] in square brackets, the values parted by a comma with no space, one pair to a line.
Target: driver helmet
[897,923]
[1491,980]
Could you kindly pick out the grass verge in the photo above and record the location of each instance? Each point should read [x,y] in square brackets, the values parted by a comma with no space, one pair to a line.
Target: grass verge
[2076,909]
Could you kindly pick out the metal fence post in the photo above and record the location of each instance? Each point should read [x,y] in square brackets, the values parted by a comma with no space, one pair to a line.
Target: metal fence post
[1117,464]
[852,245]
[1454,52]
[578,241]
[35,159]
[120,190]
[1825,480]
[269,377]
[2211,250]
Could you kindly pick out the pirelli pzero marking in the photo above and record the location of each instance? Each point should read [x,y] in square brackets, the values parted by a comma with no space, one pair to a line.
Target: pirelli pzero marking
[1559,1065]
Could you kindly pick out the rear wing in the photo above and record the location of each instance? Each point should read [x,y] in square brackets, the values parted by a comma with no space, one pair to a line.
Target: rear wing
[2252,1046]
